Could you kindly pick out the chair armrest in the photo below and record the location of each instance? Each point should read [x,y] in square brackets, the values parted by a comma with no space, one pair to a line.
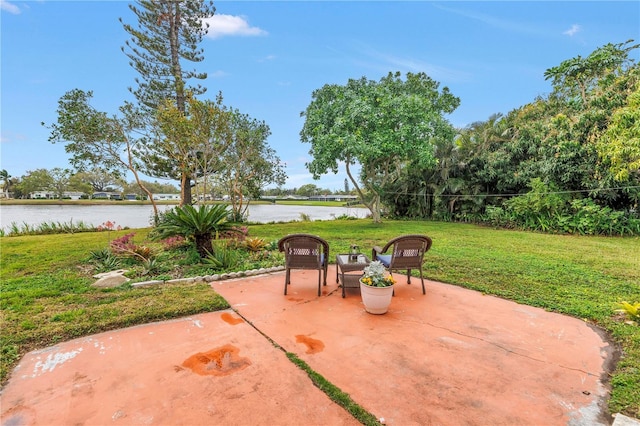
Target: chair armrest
[376,250]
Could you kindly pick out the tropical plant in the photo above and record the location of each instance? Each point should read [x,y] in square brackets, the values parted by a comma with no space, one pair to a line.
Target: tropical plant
[632,311]
[255,244]
[375,275]
[200,224]
[223,257]
[105,260]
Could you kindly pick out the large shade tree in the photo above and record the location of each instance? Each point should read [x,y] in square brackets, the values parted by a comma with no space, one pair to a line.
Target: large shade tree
[384,126]
[577,140]
[97,180]
[249,163]
[167,36]
[36,180]
[96,139]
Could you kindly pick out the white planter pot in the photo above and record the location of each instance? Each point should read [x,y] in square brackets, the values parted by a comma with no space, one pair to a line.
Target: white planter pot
[376,299]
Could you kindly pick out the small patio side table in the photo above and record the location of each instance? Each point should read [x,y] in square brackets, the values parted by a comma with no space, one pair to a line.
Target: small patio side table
[344,264]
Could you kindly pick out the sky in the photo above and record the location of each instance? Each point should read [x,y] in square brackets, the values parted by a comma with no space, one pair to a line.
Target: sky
[267,58]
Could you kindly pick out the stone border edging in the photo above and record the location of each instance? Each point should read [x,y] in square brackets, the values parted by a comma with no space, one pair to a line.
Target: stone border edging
[211,278]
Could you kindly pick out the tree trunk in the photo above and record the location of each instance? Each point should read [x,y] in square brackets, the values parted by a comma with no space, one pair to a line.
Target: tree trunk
[185,190]
[204,245]
[149,194]
[374,206]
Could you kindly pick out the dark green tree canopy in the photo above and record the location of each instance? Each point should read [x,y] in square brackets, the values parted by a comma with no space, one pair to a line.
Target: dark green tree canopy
[381,125]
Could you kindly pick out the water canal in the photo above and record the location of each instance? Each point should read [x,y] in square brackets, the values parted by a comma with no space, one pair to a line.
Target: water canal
[139,216]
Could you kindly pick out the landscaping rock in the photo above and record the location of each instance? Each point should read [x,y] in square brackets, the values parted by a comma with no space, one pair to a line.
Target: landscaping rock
[110,279]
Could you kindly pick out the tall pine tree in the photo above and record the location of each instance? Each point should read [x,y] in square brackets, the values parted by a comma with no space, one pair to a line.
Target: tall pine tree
[168,34]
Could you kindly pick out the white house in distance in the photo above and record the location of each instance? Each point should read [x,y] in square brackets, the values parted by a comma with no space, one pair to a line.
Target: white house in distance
[50,195]
[101,195]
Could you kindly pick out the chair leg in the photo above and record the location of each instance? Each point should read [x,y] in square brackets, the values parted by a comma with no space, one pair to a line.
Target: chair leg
[408,276]
[422,279]
[393,293]
[319,281]
[286,281]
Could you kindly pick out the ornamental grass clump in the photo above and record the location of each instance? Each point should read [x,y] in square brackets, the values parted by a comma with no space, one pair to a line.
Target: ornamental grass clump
[376,275]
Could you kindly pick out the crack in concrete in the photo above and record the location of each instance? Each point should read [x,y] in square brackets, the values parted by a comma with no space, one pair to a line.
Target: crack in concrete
[508,350]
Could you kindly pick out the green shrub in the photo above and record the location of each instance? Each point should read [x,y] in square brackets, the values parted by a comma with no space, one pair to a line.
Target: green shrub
[222,257]
[198,224]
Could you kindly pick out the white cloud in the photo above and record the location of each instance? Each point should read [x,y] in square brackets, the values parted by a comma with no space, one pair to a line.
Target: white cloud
[575,28]
[9,7]
[229,25]
[219,74]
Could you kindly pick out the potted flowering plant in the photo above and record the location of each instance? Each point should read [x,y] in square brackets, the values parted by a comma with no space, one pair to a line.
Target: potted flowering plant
[376,288]
[375,275]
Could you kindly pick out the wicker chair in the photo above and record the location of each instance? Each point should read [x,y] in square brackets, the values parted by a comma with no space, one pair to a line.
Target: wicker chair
[407,253]
[304,251]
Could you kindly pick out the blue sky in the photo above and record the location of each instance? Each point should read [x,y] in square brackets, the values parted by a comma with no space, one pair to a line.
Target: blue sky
[267,57]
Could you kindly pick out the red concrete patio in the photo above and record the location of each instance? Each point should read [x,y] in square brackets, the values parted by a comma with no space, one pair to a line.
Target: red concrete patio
[450,357]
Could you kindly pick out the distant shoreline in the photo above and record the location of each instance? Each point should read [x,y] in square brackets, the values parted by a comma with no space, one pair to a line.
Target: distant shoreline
[31,202]
[18,202]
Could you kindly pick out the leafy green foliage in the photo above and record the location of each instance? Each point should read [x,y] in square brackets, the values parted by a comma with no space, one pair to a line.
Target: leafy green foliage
[96,140]
[46,228]
[199,224]
[105,260]
[375,275]
[544,210]
[193,137]
[384,126]
[222,257]
[167,34]
[249,163]
[620,144]
[573,152]
[578,76]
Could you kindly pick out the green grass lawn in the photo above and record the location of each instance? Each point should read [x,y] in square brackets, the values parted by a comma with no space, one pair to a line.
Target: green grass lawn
[46,298]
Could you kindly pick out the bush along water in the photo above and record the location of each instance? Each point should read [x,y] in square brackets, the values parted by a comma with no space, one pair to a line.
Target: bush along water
[544,210]
[49,228]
